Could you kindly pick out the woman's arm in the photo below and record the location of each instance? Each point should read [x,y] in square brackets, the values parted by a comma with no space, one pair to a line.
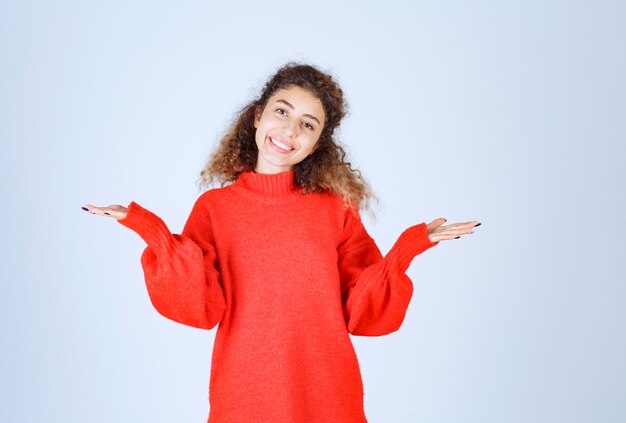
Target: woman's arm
[181,271]
[376,290]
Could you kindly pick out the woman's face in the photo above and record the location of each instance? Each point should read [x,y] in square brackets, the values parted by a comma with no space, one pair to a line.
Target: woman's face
[287,130]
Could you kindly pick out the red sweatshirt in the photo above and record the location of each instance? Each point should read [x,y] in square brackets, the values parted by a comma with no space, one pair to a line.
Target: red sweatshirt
[287,277]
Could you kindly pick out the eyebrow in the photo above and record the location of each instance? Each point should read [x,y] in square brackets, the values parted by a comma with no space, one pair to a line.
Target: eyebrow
[293,108]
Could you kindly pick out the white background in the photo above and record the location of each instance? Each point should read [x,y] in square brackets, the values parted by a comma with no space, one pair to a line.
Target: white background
[510,113]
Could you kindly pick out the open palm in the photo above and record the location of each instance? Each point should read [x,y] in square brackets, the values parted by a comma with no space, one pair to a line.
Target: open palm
[438,232]
[115,211]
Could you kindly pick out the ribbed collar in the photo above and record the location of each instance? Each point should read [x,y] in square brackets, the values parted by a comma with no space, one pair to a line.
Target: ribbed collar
[274,185]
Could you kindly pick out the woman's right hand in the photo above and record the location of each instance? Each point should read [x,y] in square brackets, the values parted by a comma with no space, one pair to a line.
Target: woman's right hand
[115,211]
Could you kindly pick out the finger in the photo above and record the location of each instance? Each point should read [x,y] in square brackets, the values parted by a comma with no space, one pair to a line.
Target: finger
[89,208]
[116,214]
[98,210]
[435,224]
[459,230]
[106,211]
[456,230]
[115,211]
[443,237]
[463,231]
[470,224]
[447,233]
[102,211]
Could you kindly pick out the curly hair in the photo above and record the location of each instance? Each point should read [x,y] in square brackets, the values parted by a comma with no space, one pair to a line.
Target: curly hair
[326,169]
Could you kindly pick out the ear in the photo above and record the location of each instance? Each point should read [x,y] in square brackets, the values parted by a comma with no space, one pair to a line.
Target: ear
[257,116]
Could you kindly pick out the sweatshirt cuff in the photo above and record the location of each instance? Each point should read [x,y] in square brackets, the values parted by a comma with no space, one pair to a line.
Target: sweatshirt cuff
[150,227]
[410,243]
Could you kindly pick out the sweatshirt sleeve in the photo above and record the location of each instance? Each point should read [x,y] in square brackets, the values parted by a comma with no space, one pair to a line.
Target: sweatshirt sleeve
[181,270]
[376,290]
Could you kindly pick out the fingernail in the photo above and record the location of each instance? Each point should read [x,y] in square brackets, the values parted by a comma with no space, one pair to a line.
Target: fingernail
[478,224]
[85,208]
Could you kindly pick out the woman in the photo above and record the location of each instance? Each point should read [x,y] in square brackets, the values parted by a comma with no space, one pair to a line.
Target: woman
[279,257]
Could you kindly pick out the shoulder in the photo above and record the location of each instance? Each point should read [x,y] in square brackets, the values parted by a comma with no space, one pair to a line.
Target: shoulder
[333,204]
[214,195]
[210,199]
[325,199]
[342,207]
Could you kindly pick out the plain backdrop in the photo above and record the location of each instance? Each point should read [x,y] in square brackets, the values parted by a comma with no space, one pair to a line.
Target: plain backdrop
[507,112]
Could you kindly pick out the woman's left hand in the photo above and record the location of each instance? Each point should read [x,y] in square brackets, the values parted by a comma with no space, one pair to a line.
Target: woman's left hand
[437,232]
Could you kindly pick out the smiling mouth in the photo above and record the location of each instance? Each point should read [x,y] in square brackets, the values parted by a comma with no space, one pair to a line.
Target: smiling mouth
[280,145]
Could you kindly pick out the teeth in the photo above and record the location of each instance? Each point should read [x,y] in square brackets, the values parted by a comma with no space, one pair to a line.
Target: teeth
[281,145]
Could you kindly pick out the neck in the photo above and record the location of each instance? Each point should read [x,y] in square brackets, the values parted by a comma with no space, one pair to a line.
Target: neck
[270,184]
[269,169]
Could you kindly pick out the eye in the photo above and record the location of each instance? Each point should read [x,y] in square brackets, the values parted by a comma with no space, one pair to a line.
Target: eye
[308,125]
[281,111]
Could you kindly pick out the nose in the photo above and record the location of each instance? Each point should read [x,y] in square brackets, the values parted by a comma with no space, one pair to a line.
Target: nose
[289,128]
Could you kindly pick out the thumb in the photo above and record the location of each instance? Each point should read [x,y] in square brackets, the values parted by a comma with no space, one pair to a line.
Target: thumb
[435,224]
